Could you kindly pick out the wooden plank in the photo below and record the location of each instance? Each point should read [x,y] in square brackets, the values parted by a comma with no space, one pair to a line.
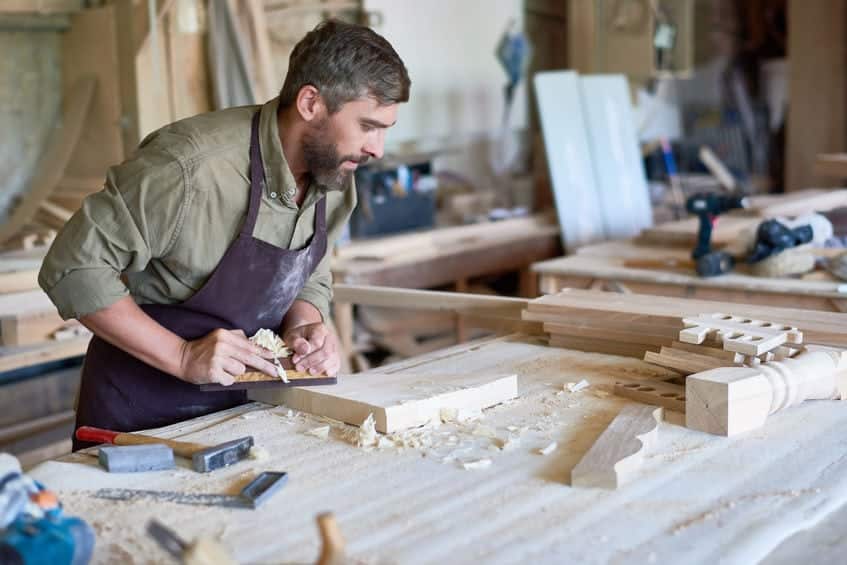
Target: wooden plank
[685,362]
[825,328]
[16,357]
[18,281]
[55,159]
[40,6]
[616,456]
[397,401]
[831,165]
[621,334]
[667,395]
[566,145]
[602,346]
[728,356]
[618,169]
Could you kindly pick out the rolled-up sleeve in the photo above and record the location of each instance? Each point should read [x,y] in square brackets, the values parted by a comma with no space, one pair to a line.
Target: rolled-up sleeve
[117,230]
[318,288]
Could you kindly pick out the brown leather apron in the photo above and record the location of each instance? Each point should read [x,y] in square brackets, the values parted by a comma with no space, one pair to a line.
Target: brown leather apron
[252,287]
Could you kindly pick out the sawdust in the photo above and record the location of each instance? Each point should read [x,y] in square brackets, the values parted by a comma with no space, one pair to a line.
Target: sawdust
[548,449]
[258,453]
[715,512]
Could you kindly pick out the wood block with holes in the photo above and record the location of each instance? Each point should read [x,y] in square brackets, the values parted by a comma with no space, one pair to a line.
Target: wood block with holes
[739,334]
[663,394]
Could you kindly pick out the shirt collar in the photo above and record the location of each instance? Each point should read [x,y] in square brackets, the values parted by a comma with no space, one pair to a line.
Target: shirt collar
[280,183]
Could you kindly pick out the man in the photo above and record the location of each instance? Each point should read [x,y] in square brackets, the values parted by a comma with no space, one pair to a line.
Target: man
[218,226]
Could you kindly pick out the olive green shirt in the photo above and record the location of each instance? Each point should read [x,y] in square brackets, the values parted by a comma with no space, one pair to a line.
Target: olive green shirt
[166,216]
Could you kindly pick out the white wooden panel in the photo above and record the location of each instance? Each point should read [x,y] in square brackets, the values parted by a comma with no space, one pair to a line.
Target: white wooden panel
[569,160]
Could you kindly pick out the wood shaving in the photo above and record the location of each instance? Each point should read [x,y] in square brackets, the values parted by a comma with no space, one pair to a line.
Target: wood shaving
[258,453]
[576,387]
[269,340]
[321,432]
[550,448]
[459,415]
[477,465]
[366,435]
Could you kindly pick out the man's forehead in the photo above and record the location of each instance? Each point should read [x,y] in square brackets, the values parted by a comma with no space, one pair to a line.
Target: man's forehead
[368,108]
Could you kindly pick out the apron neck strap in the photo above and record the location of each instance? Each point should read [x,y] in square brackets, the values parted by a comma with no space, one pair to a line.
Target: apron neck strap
[257,177]
[320,215]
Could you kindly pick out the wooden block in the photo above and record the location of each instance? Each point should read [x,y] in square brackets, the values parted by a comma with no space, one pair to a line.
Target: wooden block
[740,334]
[619,334]
[733,400]
[398,401]
[663,394]
[683,361]
[616,456]
[602,346]
[731,357]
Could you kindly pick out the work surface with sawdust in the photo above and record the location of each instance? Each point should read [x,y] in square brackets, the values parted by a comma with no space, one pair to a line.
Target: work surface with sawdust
[698,498]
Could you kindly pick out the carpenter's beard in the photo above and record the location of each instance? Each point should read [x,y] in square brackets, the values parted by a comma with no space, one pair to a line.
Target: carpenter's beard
[322,158]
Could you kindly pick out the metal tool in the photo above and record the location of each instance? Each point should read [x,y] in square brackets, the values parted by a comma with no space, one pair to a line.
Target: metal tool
[707,207]
[204,458]
[136,458]
[258,491]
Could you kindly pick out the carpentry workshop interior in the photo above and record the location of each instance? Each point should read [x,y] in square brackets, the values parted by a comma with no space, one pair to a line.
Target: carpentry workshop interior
[423,281]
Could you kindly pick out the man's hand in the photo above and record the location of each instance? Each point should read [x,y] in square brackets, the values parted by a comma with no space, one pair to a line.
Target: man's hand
[315,349]
[220,356]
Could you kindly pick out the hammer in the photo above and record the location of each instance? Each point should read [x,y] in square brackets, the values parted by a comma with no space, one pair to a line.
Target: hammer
[204,458]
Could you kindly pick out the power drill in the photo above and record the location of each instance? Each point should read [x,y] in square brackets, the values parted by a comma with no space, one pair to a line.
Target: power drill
[707,207]
[33,529]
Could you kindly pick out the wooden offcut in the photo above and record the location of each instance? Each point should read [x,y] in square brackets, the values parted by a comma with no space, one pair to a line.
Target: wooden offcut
[618,453]
[398,401]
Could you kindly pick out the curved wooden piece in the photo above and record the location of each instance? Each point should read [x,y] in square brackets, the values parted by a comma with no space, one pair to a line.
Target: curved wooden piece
[51,167]
[617,454]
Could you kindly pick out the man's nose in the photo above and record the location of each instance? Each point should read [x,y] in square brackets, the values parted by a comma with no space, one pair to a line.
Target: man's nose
[375,145]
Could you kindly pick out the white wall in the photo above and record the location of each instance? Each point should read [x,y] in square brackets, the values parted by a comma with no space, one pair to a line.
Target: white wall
[457,83]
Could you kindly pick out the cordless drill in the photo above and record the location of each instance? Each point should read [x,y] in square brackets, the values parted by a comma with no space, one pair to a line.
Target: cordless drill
[33,528]
[707,207]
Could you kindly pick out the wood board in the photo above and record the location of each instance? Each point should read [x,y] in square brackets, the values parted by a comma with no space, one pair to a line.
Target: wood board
[616,158]
[566,145]
[616,456]
[824,328]
[398,401]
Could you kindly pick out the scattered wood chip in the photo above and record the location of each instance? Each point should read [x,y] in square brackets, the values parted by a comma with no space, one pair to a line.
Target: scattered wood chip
[321,432]
[367,436]
[258,453]
[477,465]
[576,387]
[459,415]
[550,448]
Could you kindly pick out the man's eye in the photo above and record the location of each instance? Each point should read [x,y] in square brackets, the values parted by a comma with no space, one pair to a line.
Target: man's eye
[367,128]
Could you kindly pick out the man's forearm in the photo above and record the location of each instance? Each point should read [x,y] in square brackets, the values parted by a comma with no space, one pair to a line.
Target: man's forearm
[300,314]
[128,327]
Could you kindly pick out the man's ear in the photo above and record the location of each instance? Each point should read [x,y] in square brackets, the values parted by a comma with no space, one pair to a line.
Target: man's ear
[309,103]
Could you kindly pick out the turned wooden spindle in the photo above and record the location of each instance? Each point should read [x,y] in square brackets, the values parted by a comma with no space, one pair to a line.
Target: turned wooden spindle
[732,400]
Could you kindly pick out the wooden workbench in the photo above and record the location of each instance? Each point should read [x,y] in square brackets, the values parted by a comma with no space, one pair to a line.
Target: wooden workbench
[604,265]
[698,499]
[445,256]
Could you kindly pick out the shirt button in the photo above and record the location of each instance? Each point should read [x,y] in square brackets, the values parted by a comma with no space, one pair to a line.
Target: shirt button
[273,194]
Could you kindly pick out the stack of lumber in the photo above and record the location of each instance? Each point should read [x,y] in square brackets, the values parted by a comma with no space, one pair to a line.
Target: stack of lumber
[633,324]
